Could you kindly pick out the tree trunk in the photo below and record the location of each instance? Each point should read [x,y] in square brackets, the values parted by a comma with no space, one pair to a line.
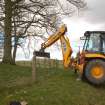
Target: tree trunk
[7,58]
[15,49]
[15,40]
[14,54]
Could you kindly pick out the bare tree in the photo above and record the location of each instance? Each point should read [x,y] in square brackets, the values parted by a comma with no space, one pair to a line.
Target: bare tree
[19,18]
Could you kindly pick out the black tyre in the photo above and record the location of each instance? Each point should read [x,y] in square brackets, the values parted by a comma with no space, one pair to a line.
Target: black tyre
[95,72]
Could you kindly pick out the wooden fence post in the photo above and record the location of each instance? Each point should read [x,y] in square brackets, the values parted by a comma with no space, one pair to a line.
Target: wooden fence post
[34,68]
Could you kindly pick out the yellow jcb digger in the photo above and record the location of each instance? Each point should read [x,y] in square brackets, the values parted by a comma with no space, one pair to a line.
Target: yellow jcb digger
[90,63]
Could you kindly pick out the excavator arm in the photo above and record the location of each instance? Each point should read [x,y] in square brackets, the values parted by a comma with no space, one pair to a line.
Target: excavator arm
[66,51]
[65,44]
[53,38]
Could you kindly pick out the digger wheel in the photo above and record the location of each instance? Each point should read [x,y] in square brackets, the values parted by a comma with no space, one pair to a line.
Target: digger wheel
[95,72]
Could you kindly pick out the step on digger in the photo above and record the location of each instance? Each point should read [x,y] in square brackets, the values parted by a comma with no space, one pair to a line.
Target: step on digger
[90,63]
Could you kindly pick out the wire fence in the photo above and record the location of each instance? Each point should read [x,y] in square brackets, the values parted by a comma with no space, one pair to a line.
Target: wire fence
[42,63]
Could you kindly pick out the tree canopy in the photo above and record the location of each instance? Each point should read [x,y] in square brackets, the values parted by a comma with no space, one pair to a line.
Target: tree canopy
[20,18]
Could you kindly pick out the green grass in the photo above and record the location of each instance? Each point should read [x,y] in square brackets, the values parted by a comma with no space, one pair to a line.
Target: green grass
[52,87]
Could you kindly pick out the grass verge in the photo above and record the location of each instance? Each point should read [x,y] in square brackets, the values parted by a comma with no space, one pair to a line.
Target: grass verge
[53,87]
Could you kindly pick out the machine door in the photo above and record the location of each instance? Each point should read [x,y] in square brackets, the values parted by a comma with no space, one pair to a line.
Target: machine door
[93,43]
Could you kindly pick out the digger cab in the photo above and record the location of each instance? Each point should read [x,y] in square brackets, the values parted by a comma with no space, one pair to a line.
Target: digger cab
[92,59]
[94,42]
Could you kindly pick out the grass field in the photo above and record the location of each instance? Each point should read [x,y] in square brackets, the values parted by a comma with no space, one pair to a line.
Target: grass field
[52,87]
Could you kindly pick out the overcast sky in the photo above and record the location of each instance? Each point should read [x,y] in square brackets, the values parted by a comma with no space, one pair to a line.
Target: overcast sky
[92,18]
[95,13]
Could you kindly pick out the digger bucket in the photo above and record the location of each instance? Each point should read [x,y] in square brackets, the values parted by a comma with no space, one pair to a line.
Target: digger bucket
[41,54]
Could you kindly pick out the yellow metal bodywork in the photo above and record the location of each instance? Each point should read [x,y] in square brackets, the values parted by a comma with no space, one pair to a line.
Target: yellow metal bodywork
[94,55]
[80,68]
[65,44]
[66,51]
[54,37]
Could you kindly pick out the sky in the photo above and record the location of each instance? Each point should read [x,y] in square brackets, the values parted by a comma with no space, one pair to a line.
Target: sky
[89,19]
